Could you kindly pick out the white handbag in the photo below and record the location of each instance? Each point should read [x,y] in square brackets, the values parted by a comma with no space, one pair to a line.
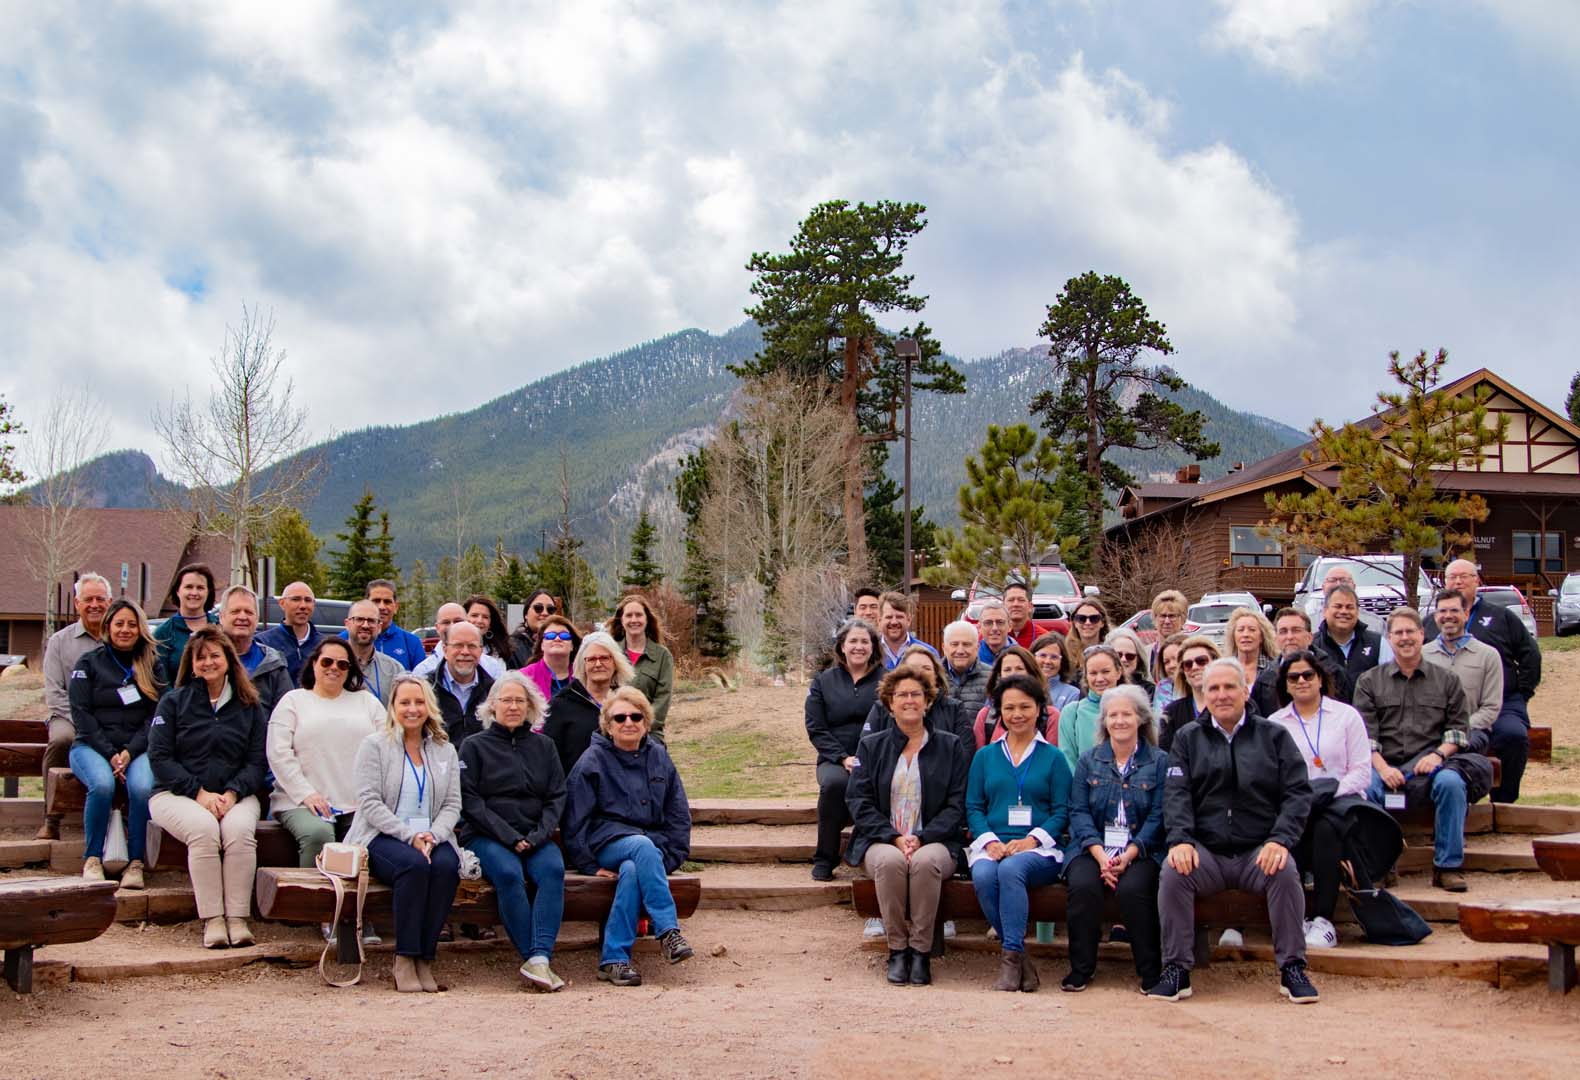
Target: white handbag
[341,863]
[116,855]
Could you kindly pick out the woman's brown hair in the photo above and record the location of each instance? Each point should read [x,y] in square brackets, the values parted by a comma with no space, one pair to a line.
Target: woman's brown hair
[655,629]
[240,683]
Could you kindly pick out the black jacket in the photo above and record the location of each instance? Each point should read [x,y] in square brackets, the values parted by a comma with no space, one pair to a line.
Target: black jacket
[946,714]
[946,766]
[104,722]
[1182,711]
[190,747]
[836,710]
[572,722]
[460,724]
[1265,690]
[1233,797]
[1365,654]
[1501,628]
[512,786]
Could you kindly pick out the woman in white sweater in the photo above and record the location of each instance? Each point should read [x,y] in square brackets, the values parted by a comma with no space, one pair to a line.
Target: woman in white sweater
[314,734]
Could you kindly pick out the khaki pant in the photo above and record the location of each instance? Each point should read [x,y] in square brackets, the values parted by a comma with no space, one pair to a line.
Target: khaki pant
[222,887]
[915,883]
[57,756]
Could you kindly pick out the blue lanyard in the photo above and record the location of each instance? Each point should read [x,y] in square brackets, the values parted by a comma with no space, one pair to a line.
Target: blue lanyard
[1020,770]
[556,684]
[421,778]
[126,671]
[1316,754]
[378,691]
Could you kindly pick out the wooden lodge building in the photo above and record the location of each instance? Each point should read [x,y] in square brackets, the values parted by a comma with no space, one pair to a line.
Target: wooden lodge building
[1531,484]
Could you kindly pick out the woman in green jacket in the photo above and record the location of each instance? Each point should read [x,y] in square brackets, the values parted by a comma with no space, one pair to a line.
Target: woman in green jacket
[637,629]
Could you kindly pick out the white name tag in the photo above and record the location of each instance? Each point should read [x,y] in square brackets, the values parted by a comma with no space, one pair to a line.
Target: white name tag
[129,695]
[420,824]
[1020,817]
[1393,800]
[1116,836]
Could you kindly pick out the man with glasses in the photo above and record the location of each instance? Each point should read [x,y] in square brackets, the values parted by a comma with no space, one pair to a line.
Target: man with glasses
[295,636]
[895,629]
[460,683]
[1292,632]
[447,616]
[1477,664]
[993,621]
[378,670]
[403,645]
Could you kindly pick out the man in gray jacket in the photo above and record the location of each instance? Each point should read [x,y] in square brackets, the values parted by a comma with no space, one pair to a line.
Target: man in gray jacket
[1478,665]
[65,647]
[968,676]
[238,618]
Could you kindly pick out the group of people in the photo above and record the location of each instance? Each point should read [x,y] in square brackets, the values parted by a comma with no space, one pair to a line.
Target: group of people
[511,755]
[1157,775]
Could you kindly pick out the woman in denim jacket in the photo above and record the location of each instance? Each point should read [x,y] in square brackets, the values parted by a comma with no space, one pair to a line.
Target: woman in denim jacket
[1116,836]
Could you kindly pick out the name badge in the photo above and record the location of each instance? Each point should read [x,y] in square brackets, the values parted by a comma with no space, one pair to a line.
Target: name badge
[1116,836]
[1020,817]
[420,824]
[1393,800]
[129,694]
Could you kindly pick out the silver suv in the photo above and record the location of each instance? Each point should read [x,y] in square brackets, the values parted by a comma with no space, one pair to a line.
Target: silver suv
[1566,605]
[1379,585]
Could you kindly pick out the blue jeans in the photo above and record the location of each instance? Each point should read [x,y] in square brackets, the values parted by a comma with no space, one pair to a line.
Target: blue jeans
[90,766]
[643,885]
[534,923]
[1448,824]
[1001,891]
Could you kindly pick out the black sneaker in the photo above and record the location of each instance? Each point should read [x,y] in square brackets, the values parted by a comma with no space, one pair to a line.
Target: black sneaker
[674,946]
[620,973]
[822,872]
[1074,983]
[1295,986]
[1172,985]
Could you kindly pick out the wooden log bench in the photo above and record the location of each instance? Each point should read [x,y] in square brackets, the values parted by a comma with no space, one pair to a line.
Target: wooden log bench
[1554,923]
[22,758]
[49,911]
[1558,856]
[1541,744]
[958,900]
[23,730]
[306,896]
[68,795]
[276,847]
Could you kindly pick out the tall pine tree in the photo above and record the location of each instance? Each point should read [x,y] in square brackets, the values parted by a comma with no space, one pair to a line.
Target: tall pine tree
[642,570]
[699,582]
[512,586]
[353,566]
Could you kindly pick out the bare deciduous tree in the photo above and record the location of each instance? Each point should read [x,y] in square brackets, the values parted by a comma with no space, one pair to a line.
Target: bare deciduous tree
[60,533]
[238,456]
[1158,557]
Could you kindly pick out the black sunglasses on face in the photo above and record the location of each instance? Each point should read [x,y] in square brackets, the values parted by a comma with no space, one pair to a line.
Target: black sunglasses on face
[544,609]
[626,718]
[327,662]
[1087,619]
[1195,662]
[1301,676]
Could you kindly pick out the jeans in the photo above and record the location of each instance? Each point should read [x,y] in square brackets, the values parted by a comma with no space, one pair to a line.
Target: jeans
[644,884]
[90,766]
[1448,824]
[424,891]
[832,811]
[533,923]
[1001,891]
[1138,906]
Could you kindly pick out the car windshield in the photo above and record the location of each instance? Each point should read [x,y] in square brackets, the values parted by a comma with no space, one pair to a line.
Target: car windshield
[1203,614]
[1500,597]
[1570,587]
[1366,574]
[1054,580]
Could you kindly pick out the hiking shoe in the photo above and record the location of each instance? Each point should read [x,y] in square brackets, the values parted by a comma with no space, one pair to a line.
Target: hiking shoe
[1320,934]
[214,933]
[1231,939]
[1118,935]
[1172,985]
[1074,983]
[822,872]
[537,975]
[238,932]
[873,929]
[674,946]
[93,869]
[132,876]
[1449,879]
[1294,985]
[370,936]
[620,973]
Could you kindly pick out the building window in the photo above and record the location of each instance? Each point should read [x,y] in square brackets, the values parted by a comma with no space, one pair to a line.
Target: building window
[5,636]
[1247,548]
[1536,552]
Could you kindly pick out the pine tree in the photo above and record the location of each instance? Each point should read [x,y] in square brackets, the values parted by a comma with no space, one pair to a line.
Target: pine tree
[381,559]
[353,566]
[642,571]
[475,577]
[417,592]
[295,550]
[513,585]
[886,526]
[1572,402]
[444,581]
[10,473]
[699,581]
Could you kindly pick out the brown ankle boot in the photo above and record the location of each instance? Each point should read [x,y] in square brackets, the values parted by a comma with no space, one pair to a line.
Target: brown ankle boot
[1011,968]
[1029,981]
[425,975]
[50,830]
[406,980]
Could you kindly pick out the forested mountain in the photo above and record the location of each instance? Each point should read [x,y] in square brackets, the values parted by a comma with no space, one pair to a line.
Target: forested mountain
[622,423]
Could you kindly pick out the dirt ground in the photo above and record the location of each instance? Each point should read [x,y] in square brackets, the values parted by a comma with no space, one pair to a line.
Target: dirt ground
[790,997]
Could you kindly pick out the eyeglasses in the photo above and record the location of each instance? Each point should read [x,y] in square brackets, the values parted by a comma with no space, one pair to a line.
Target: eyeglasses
[1129,657]
[1301,676]
[327,662]
[1088,619]
[464,646]
[626,718]
[908,694]
[361,620]
[597,659]
[544,609]
[1195,662]
[555,635]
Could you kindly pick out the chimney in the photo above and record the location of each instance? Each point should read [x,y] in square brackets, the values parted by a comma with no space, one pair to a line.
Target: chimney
[1237,466]
[1187,474]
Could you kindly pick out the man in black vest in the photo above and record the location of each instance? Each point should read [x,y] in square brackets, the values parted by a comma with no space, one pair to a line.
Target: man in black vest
[459,683]
[1351,646]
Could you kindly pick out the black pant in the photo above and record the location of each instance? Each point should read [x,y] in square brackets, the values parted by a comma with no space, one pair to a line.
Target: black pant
[832,812]
[1319,853]
[424,891]
[1138,904]
[1511,744]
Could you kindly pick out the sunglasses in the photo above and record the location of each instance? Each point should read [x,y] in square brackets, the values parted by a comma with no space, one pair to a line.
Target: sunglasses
[626,718]
[1195,662]
[327,662]
[1092,619]
[1301,676]
[544,609]
[555,635]
[1129,657]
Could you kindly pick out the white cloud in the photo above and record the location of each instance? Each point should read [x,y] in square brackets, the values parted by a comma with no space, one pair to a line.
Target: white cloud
[1293,37]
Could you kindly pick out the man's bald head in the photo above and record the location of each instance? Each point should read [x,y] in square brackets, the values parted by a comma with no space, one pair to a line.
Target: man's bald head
[1462,577]
[297,602]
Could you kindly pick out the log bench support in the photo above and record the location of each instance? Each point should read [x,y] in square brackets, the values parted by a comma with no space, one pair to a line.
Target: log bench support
[19,968]
[49,911]
[1560,967]
[1554,923]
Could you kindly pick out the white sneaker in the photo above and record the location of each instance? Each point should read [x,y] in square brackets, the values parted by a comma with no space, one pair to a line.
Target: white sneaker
[1231,939]
[873,929]
[949,929]
[328,931]
[370,936]
[1320,934]
[992,934]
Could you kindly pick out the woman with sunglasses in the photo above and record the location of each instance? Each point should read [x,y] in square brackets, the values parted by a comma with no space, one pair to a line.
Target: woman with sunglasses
[1132,657]
[1088,627]
[627,817]
[524,640]
[1079,724]
[1190,702]
[314,735]
[1055,664]
[1332,739]
[557,642]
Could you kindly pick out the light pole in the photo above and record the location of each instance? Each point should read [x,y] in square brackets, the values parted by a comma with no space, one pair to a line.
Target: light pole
[908,352]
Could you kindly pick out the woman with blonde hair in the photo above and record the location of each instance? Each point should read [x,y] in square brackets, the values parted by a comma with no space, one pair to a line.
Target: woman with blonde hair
[600,667]
[408,806]
[636,628]
[512,800]
[1250,639]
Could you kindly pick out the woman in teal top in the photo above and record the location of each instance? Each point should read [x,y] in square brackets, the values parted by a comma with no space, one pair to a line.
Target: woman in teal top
[1017,807]
[1078,722]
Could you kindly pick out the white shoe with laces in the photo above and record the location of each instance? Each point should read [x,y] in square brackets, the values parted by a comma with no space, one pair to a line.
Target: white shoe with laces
[1320,934]
[873,929]
[1231,939]
[949,930]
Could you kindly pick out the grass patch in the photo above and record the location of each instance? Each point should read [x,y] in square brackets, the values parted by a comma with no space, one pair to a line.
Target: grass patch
[1566,755]
[1551,798]
[742,765]
[1571,643]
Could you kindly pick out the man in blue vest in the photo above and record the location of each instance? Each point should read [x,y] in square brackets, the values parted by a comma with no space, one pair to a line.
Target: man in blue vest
[296,636]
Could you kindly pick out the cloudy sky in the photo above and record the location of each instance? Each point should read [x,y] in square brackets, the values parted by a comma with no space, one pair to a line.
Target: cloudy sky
[441,207]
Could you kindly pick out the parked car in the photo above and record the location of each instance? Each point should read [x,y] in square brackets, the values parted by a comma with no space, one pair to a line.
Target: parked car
[1209,616]
[1566,605]
[1379,586]
[1054,592]
[1511,597]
